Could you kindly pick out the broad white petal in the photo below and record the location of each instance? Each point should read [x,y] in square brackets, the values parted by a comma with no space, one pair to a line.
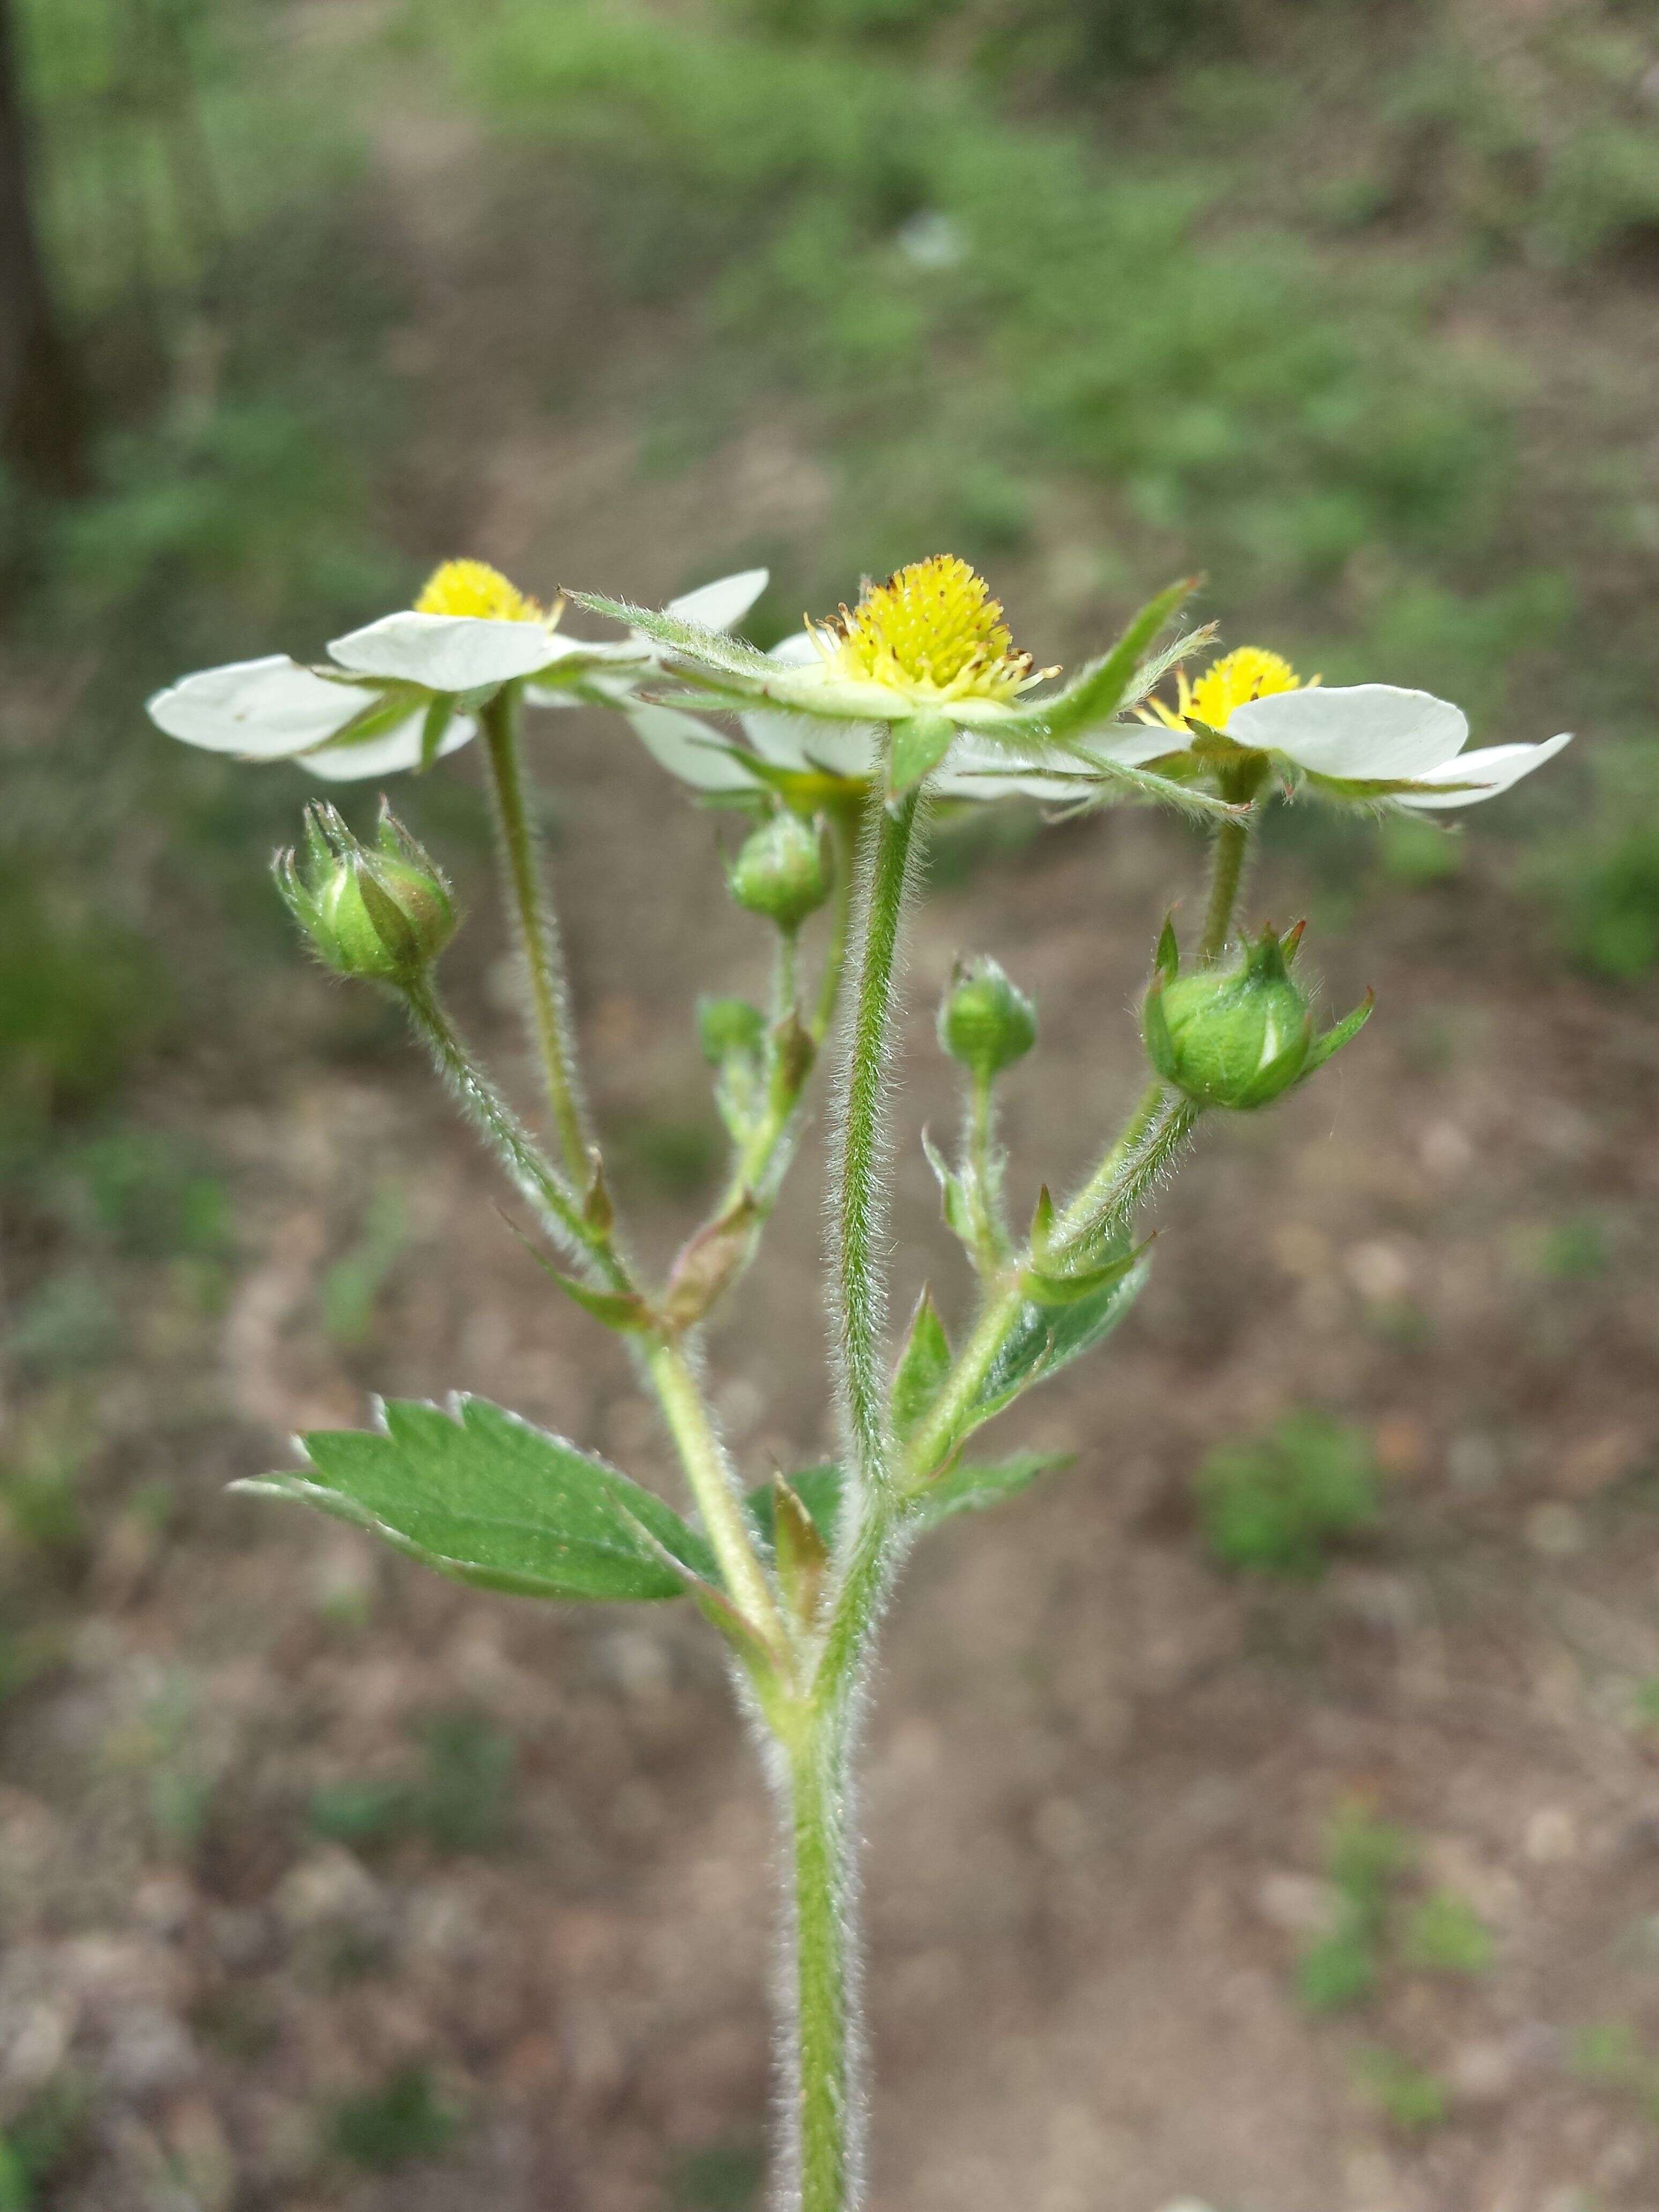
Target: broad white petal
[723,603]
[1363,729]
[263,709]
[1493,768]
[392,754]
[1136,743]
[977,771]
[448,652]
[691,750]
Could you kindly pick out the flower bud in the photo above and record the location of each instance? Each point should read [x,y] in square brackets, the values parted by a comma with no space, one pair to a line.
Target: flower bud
[728,1027]
[985,1021]
[382,912]
[1238,1035]
[781,873]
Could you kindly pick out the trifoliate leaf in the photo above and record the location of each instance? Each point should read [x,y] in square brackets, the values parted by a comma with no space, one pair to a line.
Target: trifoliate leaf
[483,1496]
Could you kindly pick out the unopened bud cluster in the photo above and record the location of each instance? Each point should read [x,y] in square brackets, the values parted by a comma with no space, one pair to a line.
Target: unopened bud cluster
[383,912]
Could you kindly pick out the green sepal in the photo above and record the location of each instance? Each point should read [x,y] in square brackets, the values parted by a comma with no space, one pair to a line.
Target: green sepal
[971,1489]
[820,1490]
[922,1367]
[1369,790]
[919,743]
[434,724]
[392,704]
[1097,692]
[1343,1032]
[1166,954]
[709,648]
[1042,1223]
[484,1497]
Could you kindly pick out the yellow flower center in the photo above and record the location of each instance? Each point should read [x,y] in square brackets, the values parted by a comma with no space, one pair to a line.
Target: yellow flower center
[1249,672]
[931,628]
[473,588]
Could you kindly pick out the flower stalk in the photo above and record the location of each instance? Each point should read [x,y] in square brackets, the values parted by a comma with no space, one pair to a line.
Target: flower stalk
[531,914]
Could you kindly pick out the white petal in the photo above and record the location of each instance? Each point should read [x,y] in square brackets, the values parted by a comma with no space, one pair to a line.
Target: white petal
[982,772]
[689,750]
[390,755]
[1493,768]
[723,603]
[1362,731]
[795,650]
[448,652]
[264,709]
[1137,743]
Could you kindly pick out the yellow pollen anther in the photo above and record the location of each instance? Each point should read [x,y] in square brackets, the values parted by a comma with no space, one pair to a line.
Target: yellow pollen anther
[931,629]
[1249,672]
[474,588]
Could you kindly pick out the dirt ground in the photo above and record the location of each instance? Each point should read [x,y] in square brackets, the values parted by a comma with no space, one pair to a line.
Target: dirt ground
[1101,1772]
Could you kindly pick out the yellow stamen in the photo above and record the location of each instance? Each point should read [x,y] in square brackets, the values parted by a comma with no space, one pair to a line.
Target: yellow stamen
[474,588]
[1249,672]
[931,629]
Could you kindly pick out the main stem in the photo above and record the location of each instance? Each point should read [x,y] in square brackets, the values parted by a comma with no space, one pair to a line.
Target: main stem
[824,2135]
[532,917]
[827,2176]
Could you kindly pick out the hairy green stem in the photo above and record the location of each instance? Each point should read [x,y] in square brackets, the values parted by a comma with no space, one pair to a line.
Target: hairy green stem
[1232,845]
[1104,1203]
[859,1286]
[534,926]
[501,1129]
[713,1483]
[843,838]
[825,2119]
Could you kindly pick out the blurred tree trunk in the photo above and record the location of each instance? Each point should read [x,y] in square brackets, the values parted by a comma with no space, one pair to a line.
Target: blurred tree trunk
[43,415]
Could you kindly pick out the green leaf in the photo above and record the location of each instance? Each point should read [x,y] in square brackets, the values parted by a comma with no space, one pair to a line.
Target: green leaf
[483,1496]
[1045,1339]
[819,1489]
[970,1489]
[922,1366]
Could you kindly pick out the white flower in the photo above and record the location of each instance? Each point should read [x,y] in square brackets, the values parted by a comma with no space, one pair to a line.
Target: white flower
[402,689]
[823,761]
[926,653]
[274,709]
[1374,733]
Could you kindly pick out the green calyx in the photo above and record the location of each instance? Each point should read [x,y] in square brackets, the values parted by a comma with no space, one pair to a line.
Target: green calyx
[383,912]
[780,871]
[1242,1035]
[985,1021]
